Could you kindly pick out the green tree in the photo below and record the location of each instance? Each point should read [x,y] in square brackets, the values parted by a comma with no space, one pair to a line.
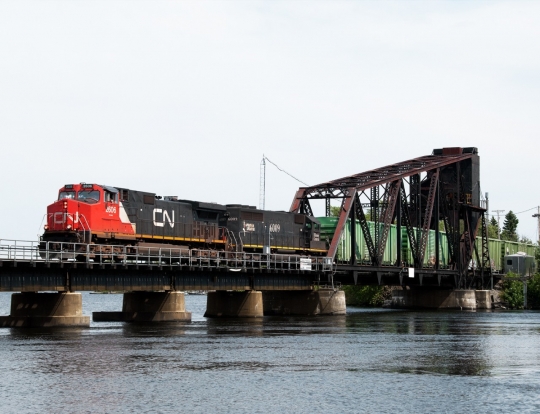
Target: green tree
[533,292]
[366,295]
[512,291]
[525,239]
[493,229]
[334,211]
[509,230]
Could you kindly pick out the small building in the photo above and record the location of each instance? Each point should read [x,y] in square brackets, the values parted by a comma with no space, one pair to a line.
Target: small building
[520,263]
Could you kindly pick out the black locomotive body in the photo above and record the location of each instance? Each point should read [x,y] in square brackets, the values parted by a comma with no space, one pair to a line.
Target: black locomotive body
[176,221]
[253,230]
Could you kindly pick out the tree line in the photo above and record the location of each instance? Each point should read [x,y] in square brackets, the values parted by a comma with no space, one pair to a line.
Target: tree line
[508,231]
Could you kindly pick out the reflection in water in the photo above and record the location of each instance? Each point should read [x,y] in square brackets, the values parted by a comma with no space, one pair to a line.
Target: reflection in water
[453,344]
[278,363]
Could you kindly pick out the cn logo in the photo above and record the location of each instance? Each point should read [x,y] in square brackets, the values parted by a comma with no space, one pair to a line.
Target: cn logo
[61,218]
[161,216]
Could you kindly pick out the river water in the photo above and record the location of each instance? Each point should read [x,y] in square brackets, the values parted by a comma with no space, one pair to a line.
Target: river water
[371,360]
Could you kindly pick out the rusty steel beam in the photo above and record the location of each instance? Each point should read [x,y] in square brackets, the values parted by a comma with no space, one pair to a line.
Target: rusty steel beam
[389,204]
[365,229]
[380,176]
[343,216]
[428,214]
[405,218]
[297,201]
[305,208]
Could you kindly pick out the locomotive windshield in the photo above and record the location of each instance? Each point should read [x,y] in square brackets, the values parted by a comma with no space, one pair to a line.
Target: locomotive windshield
[66,194]
[88,196]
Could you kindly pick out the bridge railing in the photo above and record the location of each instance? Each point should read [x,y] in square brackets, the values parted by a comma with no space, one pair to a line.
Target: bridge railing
[146,255]
[19,250]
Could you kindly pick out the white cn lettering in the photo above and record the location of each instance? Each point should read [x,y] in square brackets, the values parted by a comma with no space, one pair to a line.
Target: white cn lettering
[59,218]
[165,217]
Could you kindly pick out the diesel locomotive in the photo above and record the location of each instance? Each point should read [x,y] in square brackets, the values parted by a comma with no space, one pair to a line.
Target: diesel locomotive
[90,216]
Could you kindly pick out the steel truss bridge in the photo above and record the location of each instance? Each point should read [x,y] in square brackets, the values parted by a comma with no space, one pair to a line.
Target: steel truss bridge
[415,195]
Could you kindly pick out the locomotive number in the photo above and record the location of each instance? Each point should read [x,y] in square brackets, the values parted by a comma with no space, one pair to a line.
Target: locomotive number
[275,228]
[249,227]
[110,209]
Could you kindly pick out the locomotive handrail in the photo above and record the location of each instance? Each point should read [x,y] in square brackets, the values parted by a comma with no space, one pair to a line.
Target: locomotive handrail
[82,216]
[175,257]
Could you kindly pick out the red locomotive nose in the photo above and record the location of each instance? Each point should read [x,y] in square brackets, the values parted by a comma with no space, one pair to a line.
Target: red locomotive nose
[62,215]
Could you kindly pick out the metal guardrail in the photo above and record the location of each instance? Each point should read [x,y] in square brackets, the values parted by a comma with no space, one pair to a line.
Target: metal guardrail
[57,252]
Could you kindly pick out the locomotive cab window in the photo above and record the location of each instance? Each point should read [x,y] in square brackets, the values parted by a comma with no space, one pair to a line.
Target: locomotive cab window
[66,194]
[110,197]
[124,195]
[88,196]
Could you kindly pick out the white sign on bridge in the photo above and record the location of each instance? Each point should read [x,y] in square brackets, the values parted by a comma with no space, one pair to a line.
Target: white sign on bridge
[305,264]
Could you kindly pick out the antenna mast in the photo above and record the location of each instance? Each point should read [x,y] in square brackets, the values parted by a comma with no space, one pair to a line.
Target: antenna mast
[262,186]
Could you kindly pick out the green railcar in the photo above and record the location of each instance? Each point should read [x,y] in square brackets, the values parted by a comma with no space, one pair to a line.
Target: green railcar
[328,227]
[500,248]
[497,248]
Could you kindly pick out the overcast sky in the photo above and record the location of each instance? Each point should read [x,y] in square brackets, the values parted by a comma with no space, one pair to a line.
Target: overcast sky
[183,98]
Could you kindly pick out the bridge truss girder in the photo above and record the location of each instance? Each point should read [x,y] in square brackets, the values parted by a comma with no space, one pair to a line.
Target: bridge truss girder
[415,195]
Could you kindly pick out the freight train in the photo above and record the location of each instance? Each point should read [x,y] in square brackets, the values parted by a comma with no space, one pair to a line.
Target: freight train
[87,218]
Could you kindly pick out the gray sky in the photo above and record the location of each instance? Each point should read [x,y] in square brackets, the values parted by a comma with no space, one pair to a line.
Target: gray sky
[183,98]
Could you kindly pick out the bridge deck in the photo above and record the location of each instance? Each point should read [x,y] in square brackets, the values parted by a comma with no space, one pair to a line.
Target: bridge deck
[25,267]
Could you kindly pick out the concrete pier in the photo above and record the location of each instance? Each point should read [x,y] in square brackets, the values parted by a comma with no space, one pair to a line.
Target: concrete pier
[483,299]
[318,302]
[226,304]
[148,307]
[428,298]
[45,310]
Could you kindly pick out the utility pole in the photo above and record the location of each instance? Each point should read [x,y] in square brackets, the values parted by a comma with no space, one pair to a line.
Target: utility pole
[498,212]
[262,185]
[537,215]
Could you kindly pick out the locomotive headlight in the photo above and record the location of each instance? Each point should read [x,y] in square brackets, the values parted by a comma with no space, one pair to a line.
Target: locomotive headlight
[46,227]
[68,227]
[65,205]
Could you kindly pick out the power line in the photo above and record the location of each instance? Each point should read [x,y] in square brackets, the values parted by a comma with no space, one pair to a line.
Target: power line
[262,183]
[524,211]
[282,170]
